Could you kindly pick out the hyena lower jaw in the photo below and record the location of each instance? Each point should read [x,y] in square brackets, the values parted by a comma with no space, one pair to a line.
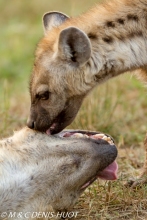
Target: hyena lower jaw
[78,53]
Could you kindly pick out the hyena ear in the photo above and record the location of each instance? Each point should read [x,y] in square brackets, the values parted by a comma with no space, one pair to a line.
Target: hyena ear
[53,19]
[74,46]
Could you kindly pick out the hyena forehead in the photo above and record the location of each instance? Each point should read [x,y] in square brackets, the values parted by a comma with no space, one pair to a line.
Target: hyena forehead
[45,78]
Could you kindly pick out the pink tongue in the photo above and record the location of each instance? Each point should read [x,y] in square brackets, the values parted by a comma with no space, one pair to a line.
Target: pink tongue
[110,172]
[48,132]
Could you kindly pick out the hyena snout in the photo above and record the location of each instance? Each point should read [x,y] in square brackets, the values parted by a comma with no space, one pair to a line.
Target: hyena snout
[54,120]
[39,120]
[31,123]
[40,125]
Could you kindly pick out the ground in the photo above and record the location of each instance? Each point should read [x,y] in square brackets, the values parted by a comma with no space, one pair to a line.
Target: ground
[118,107]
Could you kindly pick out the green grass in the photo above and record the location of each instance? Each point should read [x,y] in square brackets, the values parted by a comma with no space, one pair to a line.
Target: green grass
[117,107]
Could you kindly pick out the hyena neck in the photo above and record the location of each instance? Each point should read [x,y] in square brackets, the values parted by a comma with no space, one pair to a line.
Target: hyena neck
[118,36]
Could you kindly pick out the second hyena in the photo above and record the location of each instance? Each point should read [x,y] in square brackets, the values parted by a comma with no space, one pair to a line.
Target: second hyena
[76,54]
[38,171]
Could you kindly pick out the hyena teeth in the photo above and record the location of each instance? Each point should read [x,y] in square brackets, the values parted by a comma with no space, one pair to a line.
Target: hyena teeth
[78,135]
[85,135]
[105,138]
[95,136]
[98,135]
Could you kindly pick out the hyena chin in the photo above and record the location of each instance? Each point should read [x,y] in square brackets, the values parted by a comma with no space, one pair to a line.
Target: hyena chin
[78,53]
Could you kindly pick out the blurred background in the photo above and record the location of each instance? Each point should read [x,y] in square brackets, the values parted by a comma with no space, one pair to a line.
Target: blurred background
[118,107]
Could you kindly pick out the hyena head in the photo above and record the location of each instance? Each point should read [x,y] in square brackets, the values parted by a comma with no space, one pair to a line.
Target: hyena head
[59,81]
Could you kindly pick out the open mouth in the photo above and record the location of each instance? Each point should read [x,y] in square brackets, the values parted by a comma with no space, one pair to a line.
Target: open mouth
[88,134]
[110,172]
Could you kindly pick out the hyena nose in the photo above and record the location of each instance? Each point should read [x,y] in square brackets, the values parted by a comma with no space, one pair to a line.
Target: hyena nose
[30,123]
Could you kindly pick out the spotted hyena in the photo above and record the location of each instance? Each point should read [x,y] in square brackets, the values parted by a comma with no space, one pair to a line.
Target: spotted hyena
[38,171]
[76,54]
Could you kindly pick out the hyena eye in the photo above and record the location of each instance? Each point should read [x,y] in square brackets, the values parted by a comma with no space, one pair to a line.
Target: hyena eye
[43,96]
